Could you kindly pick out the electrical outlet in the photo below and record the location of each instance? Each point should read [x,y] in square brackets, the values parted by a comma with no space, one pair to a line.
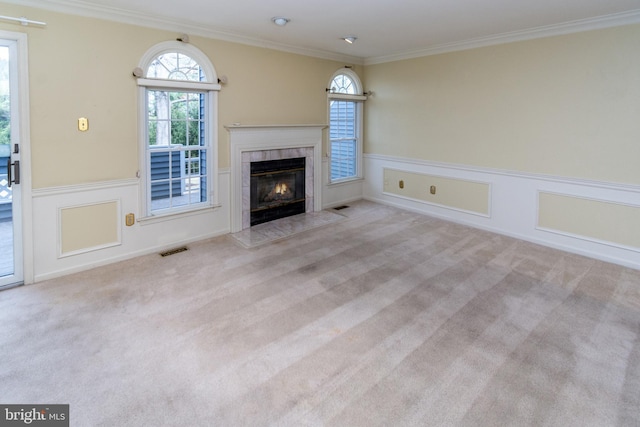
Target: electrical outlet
[401,184]
[83,124]
[432,190]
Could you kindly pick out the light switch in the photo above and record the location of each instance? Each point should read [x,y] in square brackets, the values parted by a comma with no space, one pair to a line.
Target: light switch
[83,124]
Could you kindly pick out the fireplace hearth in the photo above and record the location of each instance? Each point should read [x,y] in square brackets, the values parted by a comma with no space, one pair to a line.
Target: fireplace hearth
[277,189]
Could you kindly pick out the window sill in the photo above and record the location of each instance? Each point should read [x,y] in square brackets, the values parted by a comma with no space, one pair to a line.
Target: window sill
[345,181]
[170,216]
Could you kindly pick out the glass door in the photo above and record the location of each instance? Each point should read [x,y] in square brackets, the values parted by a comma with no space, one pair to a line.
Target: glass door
[10,214]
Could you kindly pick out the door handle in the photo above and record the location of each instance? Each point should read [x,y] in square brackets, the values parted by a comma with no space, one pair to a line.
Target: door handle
[16,165]
[10,176]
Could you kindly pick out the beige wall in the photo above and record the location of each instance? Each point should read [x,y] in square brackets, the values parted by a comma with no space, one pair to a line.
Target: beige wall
[566,106]
[81,67]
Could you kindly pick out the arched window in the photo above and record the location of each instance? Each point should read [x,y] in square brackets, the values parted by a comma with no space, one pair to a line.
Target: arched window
[345,126]
[178,105]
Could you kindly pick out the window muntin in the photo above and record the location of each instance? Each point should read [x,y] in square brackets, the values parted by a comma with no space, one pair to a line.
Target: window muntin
[345,124]
[178,108]
[177,148]
[343,84]
[344,141]
[175,66]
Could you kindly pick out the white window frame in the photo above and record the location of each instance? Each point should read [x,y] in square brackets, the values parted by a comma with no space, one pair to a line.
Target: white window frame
[210,88]
[358,97]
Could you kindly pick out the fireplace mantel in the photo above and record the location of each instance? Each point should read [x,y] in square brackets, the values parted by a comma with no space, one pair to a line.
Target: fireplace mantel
[255,138]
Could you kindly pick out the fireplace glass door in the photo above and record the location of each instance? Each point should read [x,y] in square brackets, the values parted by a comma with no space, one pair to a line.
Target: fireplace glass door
[277,189]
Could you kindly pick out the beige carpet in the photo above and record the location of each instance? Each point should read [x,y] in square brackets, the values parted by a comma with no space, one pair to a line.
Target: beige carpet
[385,318]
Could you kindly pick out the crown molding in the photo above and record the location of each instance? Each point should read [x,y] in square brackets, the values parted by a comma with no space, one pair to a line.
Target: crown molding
[605,21]
[80,8]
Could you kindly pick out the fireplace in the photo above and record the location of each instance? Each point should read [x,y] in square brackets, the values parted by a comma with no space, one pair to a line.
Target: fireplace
[277,189]
[263,143]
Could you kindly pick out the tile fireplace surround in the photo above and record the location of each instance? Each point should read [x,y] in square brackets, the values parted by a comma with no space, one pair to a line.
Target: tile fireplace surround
[272,142]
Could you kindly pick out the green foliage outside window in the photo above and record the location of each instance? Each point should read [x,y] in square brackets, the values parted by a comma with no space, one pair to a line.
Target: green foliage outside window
[183,117]
[174,118]
[5,124]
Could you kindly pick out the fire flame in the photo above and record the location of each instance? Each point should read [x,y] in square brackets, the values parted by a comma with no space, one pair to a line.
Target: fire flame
[281,188]
[279,192]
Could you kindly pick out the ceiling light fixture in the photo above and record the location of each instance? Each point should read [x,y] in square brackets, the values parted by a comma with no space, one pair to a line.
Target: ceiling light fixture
[280,21]
[350,39]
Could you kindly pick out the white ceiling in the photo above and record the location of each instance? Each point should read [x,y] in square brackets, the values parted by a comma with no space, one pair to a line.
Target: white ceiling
[386,29]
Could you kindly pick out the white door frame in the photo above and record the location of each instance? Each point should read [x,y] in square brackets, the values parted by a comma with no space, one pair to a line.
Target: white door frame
[20,126]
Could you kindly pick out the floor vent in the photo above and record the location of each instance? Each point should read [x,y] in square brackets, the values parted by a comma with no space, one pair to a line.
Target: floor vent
[339,208]
[174,251]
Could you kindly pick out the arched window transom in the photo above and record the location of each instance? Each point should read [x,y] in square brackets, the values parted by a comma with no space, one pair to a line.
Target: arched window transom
[175,66]
[343,84]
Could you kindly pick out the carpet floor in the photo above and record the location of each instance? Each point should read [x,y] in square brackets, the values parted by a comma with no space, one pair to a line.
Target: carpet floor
[384,318]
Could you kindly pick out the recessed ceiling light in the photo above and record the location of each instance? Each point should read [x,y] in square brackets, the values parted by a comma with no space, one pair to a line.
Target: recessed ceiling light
[350,39]
[280,21]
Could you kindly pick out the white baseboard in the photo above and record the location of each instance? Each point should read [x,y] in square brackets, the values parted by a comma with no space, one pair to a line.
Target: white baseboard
[78,267]
[514,204]
[136,240]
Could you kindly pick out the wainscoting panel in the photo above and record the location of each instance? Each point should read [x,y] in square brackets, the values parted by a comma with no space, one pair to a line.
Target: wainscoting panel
[525,206]
[89,227]
[458,194]
[611,223]
[81,227]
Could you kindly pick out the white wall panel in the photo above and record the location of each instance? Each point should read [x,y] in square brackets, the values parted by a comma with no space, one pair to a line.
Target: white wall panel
[139,239]
[514,202]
